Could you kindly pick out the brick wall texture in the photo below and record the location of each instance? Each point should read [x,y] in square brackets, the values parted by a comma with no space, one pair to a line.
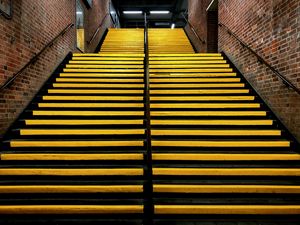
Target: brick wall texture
[272,28]
[34,24]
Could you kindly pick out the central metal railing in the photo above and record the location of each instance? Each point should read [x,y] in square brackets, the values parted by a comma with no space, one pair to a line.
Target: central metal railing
[148,183]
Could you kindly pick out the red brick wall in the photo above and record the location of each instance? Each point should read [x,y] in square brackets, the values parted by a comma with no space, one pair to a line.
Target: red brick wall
[93,18]
[35,23]
[272,28]
[198,18]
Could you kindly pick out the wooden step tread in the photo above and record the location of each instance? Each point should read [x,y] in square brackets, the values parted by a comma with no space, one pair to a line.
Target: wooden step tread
[225,157]
[71,209]
[228,209]
[208,113]
[83,122]
[93,98]
[206,132]
[91,105]
[212,122]
[70,156]
[72,143]
[212,143]
[272,189]
[87,113]
[226,171]
[82,131]
[71,172]
[71,189]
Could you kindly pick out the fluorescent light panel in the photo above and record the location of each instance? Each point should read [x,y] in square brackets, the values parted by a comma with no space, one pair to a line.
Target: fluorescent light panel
[160,12]
[132,12]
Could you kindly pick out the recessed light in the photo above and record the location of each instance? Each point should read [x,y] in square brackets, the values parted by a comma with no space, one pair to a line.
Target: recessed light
[160,12]
[173,26]
[132,12]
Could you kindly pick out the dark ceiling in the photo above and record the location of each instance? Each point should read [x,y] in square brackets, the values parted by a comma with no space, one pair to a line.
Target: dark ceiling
[158,20]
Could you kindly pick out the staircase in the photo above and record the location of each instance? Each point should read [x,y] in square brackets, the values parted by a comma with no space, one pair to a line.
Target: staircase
[78,151]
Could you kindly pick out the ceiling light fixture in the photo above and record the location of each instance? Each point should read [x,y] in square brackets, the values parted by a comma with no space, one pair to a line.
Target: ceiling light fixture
[160,12]
[173,26]
[78,12]
[132,12]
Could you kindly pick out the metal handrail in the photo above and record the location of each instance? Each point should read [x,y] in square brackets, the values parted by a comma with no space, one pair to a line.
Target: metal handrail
[148,187]
[35,58]
[98,29]
[287,82]
[192,28]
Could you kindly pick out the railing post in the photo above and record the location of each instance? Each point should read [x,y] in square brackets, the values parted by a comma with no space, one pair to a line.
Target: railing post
[148,184]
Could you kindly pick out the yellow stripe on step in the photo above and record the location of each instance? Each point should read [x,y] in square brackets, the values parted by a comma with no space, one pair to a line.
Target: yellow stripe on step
[221,144]
[76,85]
[110,62]
[61,156]
[193,132]
[212,122]
[107,80]
[71,172]
[90,105]
[87,143]
[183,62]
[203,91]
[95,91]
[87,113]
[193,80]
[208,113]
[82,131]
[222,70]
[196,58]
[262,189]
[125,75]
[196,75]
[71,189]
[103,70]
[203,105]
[109,66]
[186,66]
[197,85]
[228,209]
[108,58]
[226,171]
[202,98]
[94,98]
[109,54]
[186,54]
[71,209]
[83,122]
[225,157]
